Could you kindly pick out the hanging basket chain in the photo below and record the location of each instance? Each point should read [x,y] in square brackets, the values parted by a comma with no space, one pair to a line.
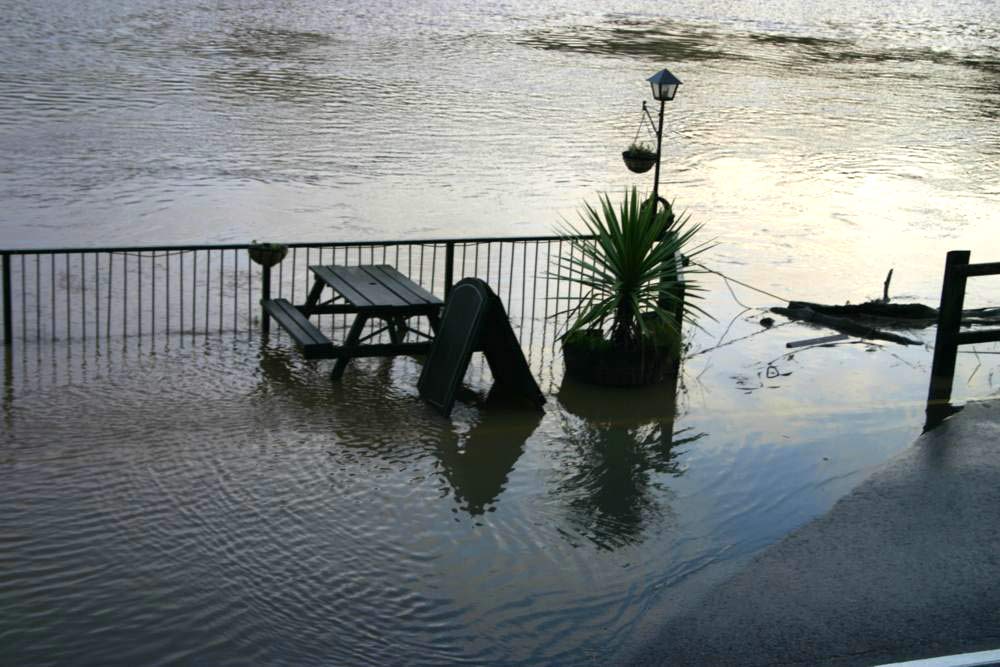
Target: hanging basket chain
[644,121]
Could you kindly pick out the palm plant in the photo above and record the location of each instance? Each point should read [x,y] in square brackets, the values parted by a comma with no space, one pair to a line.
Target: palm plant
[622,259]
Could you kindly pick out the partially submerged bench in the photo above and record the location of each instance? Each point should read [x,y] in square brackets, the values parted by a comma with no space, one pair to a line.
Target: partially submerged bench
[375,291]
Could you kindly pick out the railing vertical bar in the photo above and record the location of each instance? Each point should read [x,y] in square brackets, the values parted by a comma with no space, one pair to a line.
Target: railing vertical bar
[83,295]
[524,278]
[489,261]
[52,295]
[295,256]
[180,293]
[236,292]
[208,287]
[152,292]
[111,268]
[38,298]
[420,274]
[125,295]
[222,282]
[250,308]
[194,291]
[534,295]
[8,325]
[24,299]
[281,279]
[548,280]
[139,298]
[97,299]
[69,302]
[167,256]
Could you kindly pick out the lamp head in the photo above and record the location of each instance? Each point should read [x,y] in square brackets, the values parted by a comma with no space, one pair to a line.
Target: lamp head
[664,85]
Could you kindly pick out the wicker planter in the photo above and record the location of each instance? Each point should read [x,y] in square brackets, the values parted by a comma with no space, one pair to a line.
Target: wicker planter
[589,362]
[639,163]
[267,254]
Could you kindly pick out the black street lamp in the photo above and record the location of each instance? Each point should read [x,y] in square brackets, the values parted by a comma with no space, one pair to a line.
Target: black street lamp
[664,85]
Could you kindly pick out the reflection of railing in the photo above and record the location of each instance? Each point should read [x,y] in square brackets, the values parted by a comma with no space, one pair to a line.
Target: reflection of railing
[75,294]
[956,271]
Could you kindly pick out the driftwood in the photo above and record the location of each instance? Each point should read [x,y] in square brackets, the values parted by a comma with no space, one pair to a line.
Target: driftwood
[901,315]
[896,315]
[798,310]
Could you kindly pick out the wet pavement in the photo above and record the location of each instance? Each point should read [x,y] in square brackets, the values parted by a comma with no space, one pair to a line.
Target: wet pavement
[906,566]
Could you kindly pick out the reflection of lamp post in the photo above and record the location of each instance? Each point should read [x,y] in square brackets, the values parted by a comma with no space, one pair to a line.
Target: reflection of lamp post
[664,86]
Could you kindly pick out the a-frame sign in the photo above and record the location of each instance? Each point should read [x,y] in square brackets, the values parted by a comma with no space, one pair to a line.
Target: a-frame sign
[475,320]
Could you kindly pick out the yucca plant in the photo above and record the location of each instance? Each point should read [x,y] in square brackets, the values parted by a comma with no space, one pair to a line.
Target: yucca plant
[621,257]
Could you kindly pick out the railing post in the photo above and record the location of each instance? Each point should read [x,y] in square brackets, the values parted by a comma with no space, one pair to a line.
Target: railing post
[8,325]
[265,295]
[449,267]
[946,340]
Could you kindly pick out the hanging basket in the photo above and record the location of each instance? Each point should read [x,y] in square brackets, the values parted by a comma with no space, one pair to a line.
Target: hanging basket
[267,254]
[637,162]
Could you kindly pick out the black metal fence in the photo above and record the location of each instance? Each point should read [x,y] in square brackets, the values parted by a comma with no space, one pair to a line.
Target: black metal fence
[91,295]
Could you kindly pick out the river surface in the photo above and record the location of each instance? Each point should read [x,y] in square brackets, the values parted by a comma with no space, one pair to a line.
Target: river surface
[821,143]
[215,500]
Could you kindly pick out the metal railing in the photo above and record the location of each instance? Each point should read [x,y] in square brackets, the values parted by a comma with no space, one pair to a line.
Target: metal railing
[957,270]
[89,295]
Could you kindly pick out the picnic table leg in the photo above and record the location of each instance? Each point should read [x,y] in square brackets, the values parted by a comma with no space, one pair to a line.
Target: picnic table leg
[434,318]
[397,329]
[349,345]
[313,298]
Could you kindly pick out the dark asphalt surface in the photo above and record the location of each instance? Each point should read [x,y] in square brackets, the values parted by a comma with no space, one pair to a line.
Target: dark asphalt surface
[906,566]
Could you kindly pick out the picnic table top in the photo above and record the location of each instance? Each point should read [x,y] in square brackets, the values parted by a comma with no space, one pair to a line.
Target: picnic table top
[375,286]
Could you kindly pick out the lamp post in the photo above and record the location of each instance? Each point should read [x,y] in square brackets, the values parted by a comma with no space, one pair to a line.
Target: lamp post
[664,85]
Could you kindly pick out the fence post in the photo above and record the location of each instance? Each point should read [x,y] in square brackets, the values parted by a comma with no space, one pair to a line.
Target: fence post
[449,267]
[8,325]
[265,295]
[949,322]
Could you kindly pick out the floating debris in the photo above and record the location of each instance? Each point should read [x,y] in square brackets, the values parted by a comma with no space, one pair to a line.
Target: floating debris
[823,340]
[799,310]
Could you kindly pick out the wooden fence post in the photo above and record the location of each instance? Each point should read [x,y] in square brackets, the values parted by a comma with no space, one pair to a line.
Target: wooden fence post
[949,322]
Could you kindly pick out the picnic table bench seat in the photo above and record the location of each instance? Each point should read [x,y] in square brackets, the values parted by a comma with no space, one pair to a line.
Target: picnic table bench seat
[307,337]
[371,291]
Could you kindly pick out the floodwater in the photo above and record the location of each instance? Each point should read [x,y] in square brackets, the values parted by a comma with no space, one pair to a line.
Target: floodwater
[213,499]
[216,500]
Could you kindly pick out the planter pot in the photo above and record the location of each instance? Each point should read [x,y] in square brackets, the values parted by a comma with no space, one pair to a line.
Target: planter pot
[589,362]
[639,163]
[267,255]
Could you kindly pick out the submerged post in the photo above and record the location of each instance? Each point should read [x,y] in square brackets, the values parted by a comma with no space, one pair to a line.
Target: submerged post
[8,325]
[946,340]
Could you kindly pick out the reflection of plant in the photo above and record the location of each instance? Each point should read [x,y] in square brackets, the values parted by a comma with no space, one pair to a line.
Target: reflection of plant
[622,270]
[610,485]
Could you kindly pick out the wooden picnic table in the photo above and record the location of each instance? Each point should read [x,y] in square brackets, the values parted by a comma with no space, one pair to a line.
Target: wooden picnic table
[371,291]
